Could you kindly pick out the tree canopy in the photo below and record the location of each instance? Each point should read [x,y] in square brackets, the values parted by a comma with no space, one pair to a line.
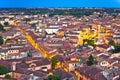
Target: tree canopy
[54,62]
[89,42]
[27,20]
[1,40]
[78,12]
[116,46]
[117,49]
[7,76]
[3,70]
[112,42]
[91,60]
[1,27]
[54,77]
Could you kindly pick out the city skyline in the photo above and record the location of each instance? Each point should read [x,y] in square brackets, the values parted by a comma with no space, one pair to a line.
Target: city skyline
[69,40]
[59,3]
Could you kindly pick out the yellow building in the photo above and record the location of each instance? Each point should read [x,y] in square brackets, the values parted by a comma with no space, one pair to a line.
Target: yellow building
[87,34]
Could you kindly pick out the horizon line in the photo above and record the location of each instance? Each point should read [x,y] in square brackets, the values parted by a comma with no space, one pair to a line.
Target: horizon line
[59,7]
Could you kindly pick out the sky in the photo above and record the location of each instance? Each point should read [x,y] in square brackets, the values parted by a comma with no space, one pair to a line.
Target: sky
[59,3]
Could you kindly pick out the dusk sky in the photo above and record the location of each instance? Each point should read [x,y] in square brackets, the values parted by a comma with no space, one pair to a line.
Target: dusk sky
[59,3]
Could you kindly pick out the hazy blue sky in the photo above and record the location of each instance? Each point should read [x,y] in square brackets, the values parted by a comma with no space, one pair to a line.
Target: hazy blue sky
[59,3]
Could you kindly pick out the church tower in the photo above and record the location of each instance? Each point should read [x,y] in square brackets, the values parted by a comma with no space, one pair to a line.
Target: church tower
[43,28]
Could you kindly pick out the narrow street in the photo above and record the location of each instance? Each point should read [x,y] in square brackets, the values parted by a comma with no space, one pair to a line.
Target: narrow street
[37,46]
[32,41]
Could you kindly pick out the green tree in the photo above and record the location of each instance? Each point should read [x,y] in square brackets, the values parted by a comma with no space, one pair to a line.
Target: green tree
[91,60]
[54,62]
[112,42]
[1,27]
[1,40]
[54,77]
[8,76]
[117,49]
[27,20]
[89,42]
[3,70]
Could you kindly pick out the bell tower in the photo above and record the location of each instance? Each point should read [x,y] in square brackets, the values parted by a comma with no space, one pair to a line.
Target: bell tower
[43,28]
